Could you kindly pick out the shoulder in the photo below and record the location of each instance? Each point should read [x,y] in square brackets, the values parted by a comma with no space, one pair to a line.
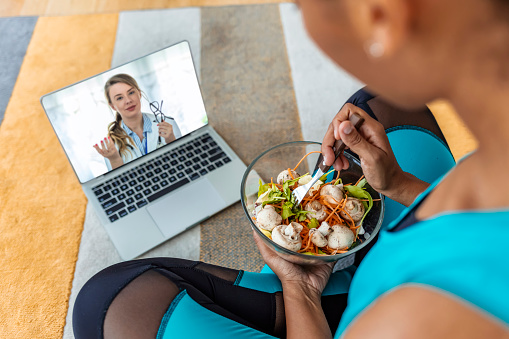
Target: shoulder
[418,311]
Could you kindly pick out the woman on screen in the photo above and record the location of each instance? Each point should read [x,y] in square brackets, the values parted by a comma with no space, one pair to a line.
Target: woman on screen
[133,133]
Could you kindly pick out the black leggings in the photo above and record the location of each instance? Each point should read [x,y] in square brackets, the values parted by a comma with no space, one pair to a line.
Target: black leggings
[129,299]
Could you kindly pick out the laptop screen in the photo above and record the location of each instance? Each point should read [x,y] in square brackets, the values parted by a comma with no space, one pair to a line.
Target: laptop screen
[120,115]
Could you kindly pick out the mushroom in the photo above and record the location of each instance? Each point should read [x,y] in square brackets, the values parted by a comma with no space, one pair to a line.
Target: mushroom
[316,211]
[332,194]
[317,238]
[341,237]
[285,176]
[355,209]
[324,228]
[318,235]
[268,218]
[288,236]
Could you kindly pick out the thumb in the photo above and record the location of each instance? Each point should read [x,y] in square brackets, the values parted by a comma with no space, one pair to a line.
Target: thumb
[353,139]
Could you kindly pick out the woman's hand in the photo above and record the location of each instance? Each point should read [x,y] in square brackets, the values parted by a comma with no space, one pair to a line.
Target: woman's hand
[166,131]
[302,291]
[312,278]
[107,149]
[377,159]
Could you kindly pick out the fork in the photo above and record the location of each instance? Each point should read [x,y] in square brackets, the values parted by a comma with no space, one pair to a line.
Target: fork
[339,146]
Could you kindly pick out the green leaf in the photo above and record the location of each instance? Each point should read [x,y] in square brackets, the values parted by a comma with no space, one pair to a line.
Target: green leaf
[313,223]
[339,181]
[356,191]
[370,204]
[355,244]
[263,188]
[324,177]
[287,210]
[362,183]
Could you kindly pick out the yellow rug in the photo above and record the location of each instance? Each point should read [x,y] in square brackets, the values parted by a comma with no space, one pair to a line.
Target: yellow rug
[460,139]
[42,207]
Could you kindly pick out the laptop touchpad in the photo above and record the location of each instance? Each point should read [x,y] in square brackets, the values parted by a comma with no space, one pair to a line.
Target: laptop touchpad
[186,207]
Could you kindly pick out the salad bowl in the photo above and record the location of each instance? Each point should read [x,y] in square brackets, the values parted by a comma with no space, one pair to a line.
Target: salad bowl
[265,169]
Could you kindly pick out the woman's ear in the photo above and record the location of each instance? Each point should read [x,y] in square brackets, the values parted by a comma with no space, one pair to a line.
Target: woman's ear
[388,27]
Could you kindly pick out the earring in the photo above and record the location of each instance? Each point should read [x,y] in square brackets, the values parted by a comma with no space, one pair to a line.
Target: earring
[375,49]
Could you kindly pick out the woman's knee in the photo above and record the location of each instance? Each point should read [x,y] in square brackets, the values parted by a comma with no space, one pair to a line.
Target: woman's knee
[98,294]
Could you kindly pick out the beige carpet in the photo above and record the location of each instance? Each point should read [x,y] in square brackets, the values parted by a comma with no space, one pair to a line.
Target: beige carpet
[249,95]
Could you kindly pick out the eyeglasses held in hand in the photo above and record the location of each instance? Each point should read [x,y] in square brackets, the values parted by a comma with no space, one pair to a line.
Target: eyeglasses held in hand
[157,109]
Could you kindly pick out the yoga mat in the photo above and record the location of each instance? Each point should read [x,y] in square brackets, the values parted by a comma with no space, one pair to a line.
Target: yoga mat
[42,206]
[249,97]
[16,34]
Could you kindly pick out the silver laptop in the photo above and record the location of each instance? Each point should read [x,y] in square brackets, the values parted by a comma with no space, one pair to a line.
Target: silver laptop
[147,159]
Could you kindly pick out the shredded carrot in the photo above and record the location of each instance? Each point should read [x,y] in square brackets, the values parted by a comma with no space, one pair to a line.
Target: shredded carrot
[358,181]
[304,157]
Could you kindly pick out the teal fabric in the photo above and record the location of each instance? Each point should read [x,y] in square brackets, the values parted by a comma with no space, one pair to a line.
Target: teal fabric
[463,254]
[186,318]
[267,281]
[418,152]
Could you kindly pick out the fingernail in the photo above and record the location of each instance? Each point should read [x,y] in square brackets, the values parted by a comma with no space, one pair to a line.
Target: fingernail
[348,128]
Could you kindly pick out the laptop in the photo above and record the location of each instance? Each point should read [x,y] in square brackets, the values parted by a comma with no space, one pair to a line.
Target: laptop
[161,168]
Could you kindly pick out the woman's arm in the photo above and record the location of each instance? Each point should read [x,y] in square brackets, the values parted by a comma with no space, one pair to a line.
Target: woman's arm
[302,290]
[303,312]
[420,312]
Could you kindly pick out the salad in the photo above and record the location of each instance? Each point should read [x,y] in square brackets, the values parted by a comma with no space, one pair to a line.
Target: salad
[328,221]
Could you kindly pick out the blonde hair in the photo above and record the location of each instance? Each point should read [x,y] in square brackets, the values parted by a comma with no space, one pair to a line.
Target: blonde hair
[115,131]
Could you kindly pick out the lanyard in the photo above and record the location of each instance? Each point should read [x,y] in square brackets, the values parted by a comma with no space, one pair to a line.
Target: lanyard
[145,143]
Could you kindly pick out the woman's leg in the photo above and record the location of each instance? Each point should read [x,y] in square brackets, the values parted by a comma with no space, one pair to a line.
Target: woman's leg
[138,299]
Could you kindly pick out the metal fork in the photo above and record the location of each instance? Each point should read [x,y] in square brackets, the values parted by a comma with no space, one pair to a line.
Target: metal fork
[339,146]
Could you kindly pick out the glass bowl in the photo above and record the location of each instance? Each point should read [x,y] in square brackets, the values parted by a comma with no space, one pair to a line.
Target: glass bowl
[271,162]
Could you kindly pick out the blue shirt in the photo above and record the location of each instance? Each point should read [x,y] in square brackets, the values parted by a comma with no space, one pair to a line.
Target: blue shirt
[147,128]
[463,254]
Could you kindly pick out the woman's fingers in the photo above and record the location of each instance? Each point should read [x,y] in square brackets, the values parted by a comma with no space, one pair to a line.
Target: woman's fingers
[165,128]
[98,149]
[105,147]
[370,136]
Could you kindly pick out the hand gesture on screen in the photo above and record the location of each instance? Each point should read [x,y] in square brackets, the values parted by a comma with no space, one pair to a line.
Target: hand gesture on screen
[107,149]
[166,131]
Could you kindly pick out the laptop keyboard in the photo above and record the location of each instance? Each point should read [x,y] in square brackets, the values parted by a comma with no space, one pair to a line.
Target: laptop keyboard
[151,180]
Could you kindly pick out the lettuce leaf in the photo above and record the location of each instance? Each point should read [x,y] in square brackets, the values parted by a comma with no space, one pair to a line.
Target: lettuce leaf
[262,188]
[313,223]
[287,210]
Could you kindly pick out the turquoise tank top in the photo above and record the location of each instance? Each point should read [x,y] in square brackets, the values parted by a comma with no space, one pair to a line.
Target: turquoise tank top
[462,253]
